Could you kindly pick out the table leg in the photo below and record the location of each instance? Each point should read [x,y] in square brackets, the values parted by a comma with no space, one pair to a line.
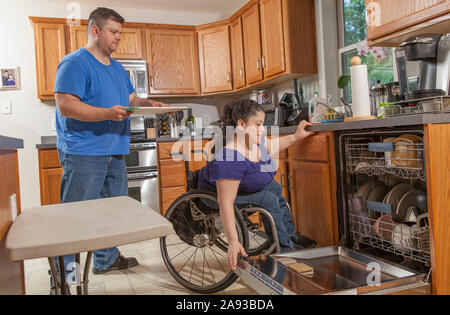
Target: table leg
[86,273]
[62,273]
[78,261]
[54,272]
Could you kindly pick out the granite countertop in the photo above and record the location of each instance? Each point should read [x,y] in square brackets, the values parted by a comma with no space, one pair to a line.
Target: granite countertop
[400,121]
[10,143]
[49,142]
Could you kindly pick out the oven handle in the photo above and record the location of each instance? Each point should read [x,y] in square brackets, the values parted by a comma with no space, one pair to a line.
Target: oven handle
[142,176]
[142,146]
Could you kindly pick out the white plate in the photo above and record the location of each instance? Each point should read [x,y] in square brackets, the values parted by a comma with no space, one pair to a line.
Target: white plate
[142,111]
[397,193]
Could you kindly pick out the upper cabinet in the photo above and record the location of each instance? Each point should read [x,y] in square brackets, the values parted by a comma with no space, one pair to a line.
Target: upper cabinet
[78,37]
[392,22]
[237,53]
[50,45]
[172,62]
[130,46]
[273,59]
[279,39]
[252,44]
[215,59]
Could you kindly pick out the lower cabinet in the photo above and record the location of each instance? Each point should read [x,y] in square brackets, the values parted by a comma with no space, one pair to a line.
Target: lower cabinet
[50,185]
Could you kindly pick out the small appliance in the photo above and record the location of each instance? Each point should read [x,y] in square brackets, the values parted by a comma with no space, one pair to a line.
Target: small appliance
[417,66]
[137,71]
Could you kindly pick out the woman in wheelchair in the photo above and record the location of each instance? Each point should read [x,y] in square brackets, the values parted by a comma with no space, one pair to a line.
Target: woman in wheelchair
[242,173]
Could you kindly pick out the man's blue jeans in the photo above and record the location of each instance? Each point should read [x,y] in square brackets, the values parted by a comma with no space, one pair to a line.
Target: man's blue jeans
[271,199]
[93,177]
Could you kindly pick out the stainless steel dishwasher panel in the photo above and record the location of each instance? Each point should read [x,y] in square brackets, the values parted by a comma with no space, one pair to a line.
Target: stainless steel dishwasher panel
[334,270]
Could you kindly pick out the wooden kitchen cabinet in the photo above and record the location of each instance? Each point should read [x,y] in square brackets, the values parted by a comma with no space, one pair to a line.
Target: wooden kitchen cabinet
[131,44]
[50,47]
[172,58]
[50,173]
[252,44]
[78,37]
[391,22]
[237,53]
[273,57]
[215,59]
[313,189]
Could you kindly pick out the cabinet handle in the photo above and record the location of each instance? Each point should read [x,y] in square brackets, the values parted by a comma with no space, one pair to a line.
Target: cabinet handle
[241,72]
[257,65]
[151,81]
[289,182]
[281,180]
[263,63]
[228,77]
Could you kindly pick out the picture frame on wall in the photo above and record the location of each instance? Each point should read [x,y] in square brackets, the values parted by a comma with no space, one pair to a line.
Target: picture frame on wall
[10,78]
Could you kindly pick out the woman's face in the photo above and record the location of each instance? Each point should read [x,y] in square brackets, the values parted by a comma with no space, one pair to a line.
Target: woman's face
[254,127]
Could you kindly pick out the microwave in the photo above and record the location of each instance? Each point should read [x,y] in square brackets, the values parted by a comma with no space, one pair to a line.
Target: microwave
[137,71]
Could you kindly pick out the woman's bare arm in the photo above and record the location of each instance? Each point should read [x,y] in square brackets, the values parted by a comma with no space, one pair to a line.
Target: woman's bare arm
[279,144]
[226,193]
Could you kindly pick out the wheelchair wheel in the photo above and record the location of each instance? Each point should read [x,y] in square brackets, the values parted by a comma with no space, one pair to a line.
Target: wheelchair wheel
[258,239]
[196,254]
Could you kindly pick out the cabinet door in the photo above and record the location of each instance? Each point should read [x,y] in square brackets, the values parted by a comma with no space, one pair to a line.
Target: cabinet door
[386,16]
[312,201]
[237,53]
[173,61]
[273,59]
[130,46]
[252,44]
[215,59]
[282,178]
[169,195]
[50,186]
[78,37]
[50,47]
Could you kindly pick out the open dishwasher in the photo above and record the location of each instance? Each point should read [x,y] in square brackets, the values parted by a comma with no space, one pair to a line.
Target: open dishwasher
[383,223]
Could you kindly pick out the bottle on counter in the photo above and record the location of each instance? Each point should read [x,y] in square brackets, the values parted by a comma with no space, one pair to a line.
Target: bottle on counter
[190,121]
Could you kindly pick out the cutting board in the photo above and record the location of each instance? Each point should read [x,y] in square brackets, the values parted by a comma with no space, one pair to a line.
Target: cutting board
[142,111]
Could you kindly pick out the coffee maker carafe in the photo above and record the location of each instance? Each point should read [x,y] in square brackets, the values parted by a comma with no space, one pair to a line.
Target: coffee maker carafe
[417,66]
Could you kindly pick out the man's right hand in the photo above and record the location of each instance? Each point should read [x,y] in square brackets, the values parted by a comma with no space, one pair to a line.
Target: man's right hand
[117,113]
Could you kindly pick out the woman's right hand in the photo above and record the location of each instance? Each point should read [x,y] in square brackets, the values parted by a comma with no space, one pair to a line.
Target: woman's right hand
[234,250]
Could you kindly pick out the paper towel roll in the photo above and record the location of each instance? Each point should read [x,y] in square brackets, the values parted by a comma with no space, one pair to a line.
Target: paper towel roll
[360,91]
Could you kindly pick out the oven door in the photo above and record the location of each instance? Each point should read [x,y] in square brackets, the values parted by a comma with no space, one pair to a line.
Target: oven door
[142,156]
[144,188]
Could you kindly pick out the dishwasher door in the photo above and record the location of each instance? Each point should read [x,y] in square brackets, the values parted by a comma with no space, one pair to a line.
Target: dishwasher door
[329,270]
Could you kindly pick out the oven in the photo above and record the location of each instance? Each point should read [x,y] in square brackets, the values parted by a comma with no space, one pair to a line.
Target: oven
[142,173]
[143,186]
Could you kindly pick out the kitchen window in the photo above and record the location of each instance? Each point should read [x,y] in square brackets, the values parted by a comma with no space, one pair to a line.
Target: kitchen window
[353,42]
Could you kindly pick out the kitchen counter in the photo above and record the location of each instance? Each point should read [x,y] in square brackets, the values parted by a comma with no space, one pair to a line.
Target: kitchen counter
[10,143]
[400,121]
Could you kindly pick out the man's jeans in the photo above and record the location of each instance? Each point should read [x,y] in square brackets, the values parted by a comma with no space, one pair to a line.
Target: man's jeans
[271,199]
[93,177]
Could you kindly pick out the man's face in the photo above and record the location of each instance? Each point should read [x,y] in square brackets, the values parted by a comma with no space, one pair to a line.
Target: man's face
[109,36]
[6,74]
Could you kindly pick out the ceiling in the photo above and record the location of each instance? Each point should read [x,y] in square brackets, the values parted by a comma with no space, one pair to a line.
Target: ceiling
[220,7]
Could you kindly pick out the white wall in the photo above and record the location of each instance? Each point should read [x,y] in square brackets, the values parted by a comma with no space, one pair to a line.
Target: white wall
[30,118]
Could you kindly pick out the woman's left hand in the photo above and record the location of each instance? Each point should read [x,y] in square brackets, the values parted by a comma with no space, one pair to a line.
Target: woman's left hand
[301,133]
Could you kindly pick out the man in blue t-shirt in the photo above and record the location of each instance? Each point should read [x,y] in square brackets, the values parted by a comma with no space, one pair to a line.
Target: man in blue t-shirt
[92,91]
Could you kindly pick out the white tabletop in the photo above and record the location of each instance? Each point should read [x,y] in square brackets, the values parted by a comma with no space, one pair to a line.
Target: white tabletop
[69,228]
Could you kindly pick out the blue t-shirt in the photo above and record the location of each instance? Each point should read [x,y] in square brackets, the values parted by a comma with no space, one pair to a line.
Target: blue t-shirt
[230,164]
[96,84]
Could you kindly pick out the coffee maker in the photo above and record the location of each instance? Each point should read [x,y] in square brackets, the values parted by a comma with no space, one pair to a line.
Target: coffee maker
[422,65]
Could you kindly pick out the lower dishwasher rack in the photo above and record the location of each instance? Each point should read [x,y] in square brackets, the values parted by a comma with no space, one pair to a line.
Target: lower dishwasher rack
[329,271]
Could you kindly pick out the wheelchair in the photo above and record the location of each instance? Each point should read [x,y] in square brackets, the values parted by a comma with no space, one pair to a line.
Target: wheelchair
[196,254]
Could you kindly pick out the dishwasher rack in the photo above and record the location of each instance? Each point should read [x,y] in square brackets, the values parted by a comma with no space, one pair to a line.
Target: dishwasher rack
[373,163]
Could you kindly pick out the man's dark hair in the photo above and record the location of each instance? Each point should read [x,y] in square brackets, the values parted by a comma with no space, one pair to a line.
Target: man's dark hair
[101,15]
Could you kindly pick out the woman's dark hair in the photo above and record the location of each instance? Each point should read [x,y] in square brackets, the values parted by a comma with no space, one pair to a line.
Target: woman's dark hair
[235,111]
[101,15]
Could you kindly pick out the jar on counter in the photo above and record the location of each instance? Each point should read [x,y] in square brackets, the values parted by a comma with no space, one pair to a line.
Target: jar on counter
[263,97]
[254,96]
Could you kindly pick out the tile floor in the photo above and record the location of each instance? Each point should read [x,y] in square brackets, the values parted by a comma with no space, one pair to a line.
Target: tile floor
[150,277]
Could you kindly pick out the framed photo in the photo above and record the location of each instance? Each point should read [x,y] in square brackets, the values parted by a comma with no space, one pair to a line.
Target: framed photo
[10,78]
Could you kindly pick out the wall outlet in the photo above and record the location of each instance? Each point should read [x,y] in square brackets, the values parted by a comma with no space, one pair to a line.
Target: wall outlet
[6,107]
[53,124]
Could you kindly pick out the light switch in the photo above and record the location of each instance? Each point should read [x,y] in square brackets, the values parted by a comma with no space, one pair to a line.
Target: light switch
[6,107]
[53,124]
